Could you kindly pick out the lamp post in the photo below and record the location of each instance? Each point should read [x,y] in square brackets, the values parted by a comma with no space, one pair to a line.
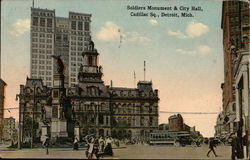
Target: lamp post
[33,108]
[19,122]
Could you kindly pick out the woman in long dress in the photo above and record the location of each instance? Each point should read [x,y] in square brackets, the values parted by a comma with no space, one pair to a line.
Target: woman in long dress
[90,148]
[108,149]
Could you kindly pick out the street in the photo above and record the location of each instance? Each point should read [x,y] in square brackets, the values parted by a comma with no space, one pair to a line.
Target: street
[137,151]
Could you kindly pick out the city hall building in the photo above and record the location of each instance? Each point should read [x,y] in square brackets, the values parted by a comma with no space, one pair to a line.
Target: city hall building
[91,107]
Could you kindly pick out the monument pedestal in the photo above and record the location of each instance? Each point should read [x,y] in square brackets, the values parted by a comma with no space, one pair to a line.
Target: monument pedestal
[63,128]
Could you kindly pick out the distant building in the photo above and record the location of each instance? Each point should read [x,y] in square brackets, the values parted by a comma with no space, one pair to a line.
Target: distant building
[2,88]
[52,35]
[9,131]
[175,123]
[163,126]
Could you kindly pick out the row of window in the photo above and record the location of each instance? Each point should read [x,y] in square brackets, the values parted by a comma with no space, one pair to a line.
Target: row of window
[79,38]
[43,14]
[42,40]
[41,61]
[74,64]
[79,25]
[41,51]
[41,67]
[42,73]
[79,17]
[76,53]
[44,22]
[42,35]
[42,29]
[73,48]
[35,45]
[41,56]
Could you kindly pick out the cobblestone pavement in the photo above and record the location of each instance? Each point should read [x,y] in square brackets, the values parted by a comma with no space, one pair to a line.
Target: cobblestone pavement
[128,152]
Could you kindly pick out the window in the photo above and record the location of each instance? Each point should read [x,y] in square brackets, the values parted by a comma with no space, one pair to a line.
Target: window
[34,39]
[49,52]
[65,38]
[49,35]
[34,45]
[49,22]
[80,39]
[42,35]
[42,56]
[86,26]
[79,25]
[49,41]
[73,25]
[58,37]
[34,34]
[42,22]
[35,21]
[34,50]
[42,40]
[90,61]
[42,46]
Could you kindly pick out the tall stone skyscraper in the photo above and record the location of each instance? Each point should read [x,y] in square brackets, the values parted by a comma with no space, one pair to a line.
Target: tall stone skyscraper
[51,35]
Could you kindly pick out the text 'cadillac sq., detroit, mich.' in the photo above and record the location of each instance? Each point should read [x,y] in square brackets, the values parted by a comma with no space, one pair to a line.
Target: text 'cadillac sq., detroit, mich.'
[163,11]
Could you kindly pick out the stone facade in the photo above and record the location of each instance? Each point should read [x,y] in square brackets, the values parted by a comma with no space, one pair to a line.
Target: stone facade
[235,25]
[242,83]
[91,106]
[9,131]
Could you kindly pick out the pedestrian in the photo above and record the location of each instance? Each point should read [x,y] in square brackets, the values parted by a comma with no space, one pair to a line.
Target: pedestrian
[46,144]
[108,149]
[96,149]
[233,146]
[101,147]
[90,148]
[211,147]
[75,143]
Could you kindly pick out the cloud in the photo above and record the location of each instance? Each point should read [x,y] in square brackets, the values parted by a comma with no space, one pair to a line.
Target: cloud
[200,50]
[20,27]
[153,21]
[135,36]
[193,29]
[112,32]
[178,34]
[203,49]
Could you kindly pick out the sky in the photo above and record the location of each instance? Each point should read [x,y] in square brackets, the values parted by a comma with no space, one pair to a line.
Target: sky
[184,55]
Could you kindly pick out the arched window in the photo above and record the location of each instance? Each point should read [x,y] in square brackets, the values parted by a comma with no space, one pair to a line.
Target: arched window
[38,90]
[38,107]
[27,90]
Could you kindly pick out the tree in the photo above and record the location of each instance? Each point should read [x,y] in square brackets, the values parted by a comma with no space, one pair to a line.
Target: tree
[27,127]
[119,131]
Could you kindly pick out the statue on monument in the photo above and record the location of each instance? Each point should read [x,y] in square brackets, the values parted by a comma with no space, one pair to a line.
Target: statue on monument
[60,66]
